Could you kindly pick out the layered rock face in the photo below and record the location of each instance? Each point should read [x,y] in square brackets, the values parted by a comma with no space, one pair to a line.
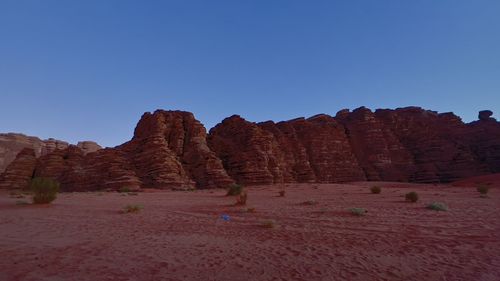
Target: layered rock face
[168,150]
[19,173]
[11,144]
[484,139]
[378,150]
[171,149]
[249,154]
[439,143]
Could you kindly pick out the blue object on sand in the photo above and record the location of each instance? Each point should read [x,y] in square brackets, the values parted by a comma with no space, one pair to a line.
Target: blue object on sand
[225,217]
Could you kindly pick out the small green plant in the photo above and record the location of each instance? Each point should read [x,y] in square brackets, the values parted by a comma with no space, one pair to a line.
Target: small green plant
[44,190]
[483,189]
[268,223]
[310,202]
[376,189]
[132,209]
[234,189]
[124,189]
[437,206]
[358,211]
[242,198]
[411,197]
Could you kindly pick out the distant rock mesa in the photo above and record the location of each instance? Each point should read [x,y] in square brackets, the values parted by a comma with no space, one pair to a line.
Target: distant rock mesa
[171,149]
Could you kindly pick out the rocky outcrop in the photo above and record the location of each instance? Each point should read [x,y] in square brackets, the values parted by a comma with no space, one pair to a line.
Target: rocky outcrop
[438,143]
[249,154]
[301,150]
[168,150]
[378,150]
[19,173]
[88,146]
[171,149]
[11,144]
[484,139]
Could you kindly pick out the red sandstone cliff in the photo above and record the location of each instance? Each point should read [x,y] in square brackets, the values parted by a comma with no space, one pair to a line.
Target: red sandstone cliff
[11,144]
[171,149]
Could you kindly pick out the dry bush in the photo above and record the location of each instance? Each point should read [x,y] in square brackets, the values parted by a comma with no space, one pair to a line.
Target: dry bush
[376,189]
[132,208]
[358,211]
[234,189]
[483,189]
[437,206]
[411,197]
[310,202]
[44,190]
[268,223]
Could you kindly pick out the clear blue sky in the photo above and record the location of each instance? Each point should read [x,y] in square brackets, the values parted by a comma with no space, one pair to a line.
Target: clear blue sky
[87,70]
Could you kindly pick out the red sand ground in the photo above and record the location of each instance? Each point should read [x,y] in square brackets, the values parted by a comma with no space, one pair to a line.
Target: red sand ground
[179,236]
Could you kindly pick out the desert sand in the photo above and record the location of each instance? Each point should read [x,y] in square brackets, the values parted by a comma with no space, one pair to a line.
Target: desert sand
[180,235]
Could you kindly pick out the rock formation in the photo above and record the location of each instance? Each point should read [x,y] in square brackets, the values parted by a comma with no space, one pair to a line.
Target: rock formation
[168,150]
[19,173]
[11,144]
[171,149]
[378,150]
[439,143]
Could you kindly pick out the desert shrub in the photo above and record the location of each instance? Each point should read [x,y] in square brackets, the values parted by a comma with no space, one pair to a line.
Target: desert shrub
[132,208]
[124,189]
[242,198]
[44,190]
[268,223]
[310,202]
[483,189]
[358,211]
[411,196]
[234,189]
[376,189]
[437,206]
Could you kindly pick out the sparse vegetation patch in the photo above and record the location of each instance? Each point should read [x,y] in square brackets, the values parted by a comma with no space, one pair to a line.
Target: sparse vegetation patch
[132,208]
[44,190]
[376,189]
[234,189]
[483,189]
[411,197]
[268,223]
[310,202]
[437,206]
[124,189]
[358,211]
